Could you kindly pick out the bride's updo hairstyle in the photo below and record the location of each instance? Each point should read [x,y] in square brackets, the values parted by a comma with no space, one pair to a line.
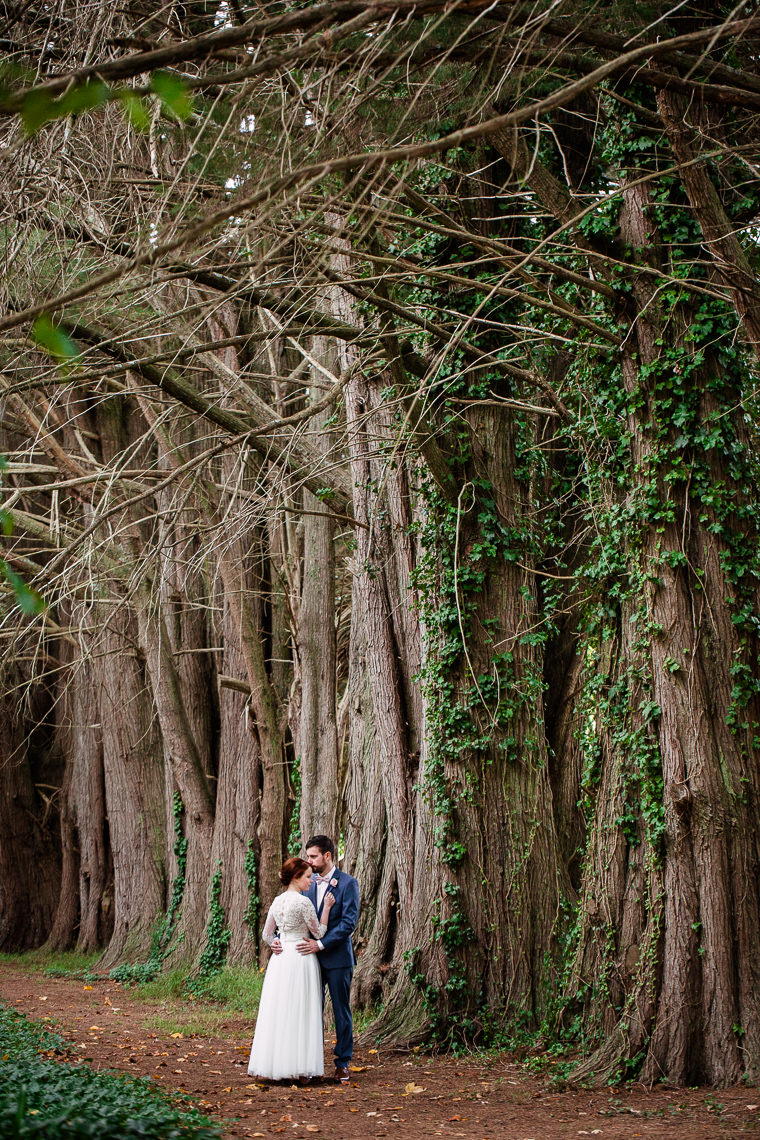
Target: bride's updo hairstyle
[291,869]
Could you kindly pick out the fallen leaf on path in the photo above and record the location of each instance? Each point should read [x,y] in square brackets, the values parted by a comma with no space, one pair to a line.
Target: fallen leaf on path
[94,1027]
[357,1068]
[412,1089]
[312,1128]
[86,987]
[176,1035]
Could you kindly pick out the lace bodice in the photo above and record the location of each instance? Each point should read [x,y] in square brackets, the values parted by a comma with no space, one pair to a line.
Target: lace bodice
[294,917]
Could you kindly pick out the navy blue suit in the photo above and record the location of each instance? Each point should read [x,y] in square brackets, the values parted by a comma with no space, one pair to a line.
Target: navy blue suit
[336,960]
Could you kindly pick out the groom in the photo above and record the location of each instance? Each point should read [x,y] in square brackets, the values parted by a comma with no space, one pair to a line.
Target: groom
[336,954]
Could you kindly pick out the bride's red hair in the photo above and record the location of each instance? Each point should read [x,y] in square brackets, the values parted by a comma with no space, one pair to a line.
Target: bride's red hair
[292,868]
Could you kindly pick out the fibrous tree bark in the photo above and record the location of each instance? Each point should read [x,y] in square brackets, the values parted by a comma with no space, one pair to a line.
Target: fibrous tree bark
[315,733]
[29,870]
[671,849]
[134,792]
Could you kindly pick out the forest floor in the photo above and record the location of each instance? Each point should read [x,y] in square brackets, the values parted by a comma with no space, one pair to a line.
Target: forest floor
[488,1096]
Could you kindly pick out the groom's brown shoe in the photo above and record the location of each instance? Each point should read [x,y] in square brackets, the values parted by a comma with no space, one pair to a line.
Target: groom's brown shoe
[342,1075]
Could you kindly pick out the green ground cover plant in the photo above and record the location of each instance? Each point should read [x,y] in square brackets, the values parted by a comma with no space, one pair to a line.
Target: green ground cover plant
[45,1098]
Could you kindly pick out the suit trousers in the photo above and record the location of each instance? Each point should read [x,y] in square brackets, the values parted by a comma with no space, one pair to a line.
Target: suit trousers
[338,982]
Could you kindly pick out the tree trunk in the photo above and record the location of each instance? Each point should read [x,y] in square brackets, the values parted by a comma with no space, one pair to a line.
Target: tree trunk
[315,735]
[134,793]
[187,766]
[264,722]
[29,860]
[666,914]
[237,844]
[88,800]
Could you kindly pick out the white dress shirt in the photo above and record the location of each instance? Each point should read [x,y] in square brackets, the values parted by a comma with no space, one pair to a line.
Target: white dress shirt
[322,886]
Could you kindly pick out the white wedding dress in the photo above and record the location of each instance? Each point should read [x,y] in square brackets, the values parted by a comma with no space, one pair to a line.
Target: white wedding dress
[288,1041]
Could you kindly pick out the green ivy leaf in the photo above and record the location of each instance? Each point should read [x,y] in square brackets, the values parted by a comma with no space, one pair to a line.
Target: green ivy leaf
[173,93]
[83,97]
[54,340]
[135,111]
[28,600]
[37,109]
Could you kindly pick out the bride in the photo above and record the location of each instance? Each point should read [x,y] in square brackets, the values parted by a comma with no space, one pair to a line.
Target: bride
[288,1041]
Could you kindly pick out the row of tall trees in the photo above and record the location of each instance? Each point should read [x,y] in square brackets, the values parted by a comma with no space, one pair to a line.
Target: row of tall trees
[380,419]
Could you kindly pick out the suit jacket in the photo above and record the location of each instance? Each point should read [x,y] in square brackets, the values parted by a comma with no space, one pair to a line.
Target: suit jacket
[338,951]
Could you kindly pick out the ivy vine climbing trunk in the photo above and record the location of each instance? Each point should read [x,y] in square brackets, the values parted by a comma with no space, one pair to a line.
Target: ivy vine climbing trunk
[666,916]
[489,771]
[387,813]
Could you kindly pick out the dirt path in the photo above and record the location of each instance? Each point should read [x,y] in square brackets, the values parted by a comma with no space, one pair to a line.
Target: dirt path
[391,1095]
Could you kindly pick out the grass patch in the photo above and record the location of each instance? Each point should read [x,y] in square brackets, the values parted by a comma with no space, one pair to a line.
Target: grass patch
[46,1099]
[166,987]
[56,964]
[237,988]
[199,1007]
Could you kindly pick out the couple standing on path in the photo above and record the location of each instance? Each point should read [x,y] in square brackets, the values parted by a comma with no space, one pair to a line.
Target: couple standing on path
[309,928]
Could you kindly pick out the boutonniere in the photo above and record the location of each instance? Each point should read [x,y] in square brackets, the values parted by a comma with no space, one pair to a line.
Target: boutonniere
[333,882]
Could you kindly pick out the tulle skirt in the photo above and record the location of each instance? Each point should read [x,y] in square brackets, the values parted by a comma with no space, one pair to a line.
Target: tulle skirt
[288,1041]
